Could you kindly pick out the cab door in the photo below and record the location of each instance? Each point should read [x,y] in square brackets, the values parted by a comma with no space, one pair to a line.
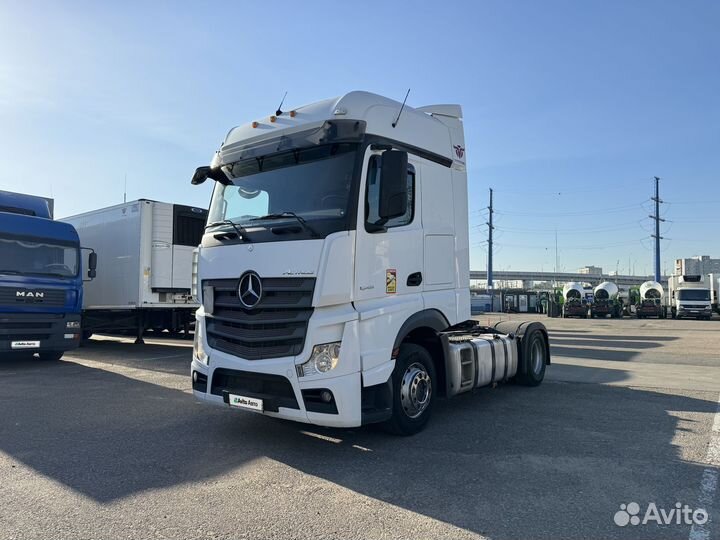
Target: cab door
[389,254]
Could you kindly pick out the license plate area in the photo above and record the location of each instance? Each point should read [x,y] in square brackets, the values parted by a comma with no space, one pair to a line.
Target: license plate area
[25,344]
[245,402]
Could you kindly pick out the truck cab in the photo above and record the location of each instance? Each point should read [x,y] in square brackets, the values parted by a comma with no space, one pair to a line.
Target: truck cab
[334,263]
[40,285]
[690,296]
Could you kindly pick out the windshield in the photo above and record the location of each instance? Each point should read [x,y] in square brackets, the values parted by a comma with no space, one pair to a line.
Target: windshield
[38,257]
[314,183]
[696,295]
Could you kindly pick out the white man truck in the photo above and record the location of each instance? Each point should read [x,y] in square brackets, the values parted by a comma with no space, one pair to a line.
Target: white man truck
[333,274]
[689,296]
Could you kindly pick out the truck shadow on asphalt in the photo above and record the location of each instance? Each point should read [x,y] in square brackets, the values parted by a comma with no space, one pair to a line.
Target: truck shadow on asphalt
[604,347]
[505,463]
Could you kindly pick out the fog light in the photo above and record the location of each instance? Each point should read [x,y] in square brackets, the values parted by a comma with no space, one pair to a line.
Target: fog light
[326,396]
[194,376]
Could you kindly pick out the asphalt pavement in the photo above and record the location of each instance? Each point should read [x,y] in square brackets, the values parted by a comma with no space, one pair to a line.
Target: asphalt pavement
[109,443]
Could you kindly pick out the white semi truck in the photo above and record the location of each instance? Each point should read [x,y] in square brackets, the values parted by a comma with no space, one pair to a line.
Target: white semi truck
[334,272]
[689,296]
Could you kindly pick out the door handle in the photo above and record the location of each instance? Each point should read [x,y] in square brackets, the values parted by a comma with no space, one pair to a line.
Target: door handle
[414,279]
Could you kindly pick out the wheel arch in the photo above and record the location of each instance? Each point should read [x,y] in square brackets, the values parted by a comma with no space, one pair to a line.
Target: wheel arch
[423,328]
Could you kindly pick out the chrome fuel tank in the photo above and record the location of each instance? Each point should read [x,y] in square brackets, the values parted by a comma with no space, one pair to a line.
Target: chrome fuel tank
[478,360]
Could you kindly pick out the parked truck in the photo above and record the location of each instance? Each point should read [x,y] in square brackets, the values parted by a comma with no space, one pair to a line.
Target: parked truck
[41,280]
[689,296]
[714,284]
[605,301]
[145,249]
[574,301]
[650,301]
[334,273]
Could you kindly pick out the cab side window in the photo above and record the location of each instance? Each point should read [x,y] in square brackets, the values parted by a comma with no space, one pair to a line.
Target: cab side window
[372,195]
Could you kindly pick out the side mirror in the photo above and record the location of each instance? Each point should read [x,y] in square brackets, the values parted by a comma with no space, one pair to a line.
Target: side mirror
[92,265]
[203,173]
[393,184]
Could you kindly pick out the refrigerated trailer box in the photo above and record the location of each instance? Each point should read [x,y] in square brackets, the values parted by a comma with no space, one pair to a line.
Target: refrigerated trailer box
[144,276]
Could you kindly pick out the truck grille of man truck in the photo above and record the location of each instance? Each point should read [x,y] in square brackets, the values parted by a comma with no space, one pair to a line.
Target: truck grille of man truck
[273,328]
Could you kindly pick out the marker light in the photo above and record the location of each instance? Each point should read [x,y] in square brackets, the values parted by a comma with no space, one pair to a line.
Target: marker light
[273,118]
[255,124]
[292,114]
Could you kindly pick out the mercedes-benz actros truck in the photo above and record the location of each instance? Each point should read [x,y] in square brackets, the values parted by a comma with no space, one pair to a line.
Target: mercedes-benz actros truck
[333,275]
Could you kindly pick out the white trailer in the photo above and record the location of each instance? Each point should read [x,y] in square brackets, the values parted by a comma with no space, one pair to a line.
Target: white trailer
[334,276]
[145,251]
[689,296]
[714,284]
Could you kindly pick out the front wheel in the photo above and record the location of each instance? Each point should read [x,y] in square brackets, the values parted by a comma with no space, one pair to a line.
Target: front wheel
[414,390]
[50,356]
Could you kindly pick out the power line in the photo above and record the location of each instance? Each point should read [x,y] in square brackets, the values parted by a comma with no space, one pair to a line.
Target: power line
[597,211]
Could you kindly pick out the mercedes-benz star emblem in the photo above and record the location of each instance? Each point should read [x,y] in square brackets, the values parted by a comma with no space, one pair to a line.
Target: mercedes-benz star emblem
[250,289]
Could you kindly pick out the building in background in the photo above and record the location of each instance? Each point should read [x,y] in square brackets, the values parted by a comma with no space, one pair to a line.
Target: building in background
[592,270]
[695,266]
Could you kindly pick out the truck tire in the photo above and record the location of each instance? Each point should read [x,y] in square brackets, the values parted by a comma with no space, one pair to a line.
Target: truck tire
[533,351]
[50,356]
[414,390]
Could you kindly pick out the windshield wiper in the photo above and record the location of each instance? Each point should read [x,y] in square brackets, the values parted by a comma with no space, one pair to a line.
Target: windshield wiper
[282,215]
[239,229]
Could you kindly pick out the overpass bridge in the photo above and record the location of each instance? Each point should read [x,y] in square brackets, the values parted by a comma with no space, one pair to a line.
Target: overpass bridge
[527,277]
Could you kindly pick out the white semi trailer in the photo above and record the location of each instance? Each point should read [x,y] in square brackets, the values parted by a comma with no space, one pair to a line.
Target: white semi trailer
[145,251]
[689,296]
[334,273]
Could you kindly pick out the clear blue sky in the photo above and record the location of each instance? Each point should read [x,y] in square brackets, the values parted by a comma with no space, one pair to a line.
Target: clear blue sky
[570,107]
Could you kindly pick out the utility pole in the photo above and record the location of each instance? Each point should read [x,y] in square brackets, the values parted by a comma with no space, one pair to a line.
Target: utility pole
[556,260]
[490,245]
[657,236]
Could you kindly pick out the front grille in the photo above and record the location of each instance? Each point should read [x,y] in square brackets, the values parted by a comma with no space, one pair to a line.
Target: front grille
[38,297]
[29,327]
[275,390]
[275,327]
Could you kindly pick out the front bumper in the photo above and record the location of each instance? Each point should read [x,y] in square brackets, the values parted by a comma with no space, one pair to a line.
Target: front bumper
[48,330]
[690,312]
[284,394]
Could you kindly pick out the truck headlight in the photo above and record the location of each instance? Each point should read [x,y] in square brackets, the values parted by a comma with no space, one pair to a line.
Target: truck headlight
[323,359]
[72,324]
[198,347]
